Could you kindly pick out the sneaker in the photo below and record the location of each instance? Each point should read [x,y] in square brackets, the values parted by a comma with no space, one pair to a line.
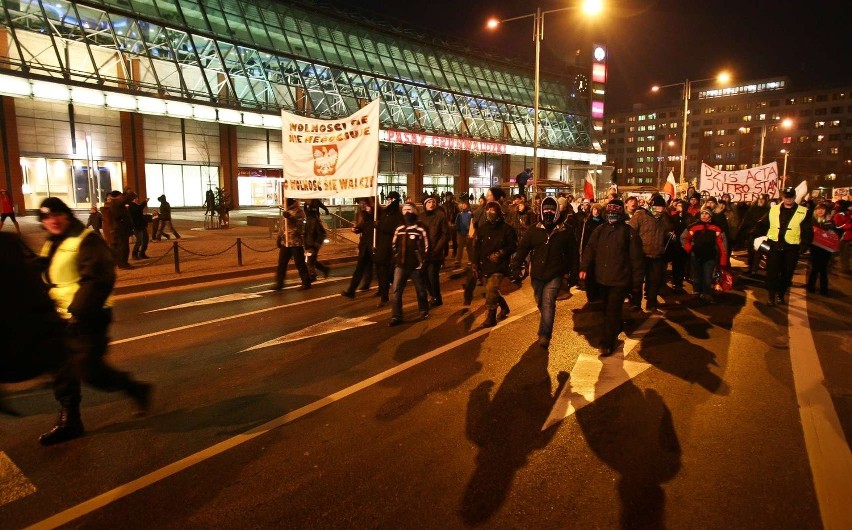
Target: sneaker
[304,287]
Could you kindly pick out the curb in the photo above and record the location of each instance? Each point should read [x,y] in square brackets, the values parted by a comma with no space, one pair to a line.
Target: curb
[215,276]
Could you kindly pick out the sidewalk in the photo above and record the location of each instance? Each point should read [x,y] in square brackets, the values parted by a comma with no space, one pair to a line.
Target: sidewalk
[204,255]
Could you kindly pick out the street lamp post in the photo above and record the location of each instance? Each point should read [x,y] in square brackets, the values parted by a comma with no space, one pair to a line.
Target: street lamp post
[723,77]
[784,172]
[591,7]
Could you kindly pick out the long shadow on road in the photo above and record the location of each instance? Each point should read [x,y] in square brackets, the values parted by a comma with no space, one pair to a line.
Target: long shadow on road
[507,428]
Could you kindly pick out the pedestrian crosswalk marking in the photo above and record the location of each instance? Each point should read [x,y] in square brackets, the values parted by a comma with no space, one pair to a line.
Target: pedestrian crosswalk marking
[591,378]
[232,297]
[13,484]
[332,325]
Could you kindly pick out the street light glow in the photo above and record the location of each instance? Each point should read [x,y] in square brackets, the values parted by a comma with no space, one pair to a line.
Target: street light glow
[723,77]
[592,7]
[787,123]
[492,23]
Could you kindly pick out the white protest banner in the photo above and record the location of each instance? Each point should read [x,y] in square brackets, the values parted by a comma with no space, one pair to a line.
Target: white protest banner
[331,158]
[743,185]
[840,194]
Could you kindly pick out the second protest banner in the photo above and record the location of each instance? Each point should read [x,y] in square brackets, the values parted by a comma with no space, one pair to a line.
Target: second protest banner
[743,185]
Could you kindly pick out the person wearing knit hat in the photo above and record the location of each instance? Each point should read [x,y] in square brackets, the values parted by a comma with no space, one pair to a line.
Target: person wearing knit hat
[654,230]
[410,251]
[80,274]
[704,242]
[492,248]
[615,255]
[435,221]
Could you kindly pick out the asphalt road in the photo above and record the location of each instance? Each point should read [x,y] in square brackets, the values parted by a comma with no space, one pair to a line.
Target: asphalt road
[305,410]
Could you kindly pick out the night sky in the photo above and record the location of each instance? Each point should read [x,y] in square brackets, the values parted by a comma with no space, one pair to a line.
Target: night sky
[662,41]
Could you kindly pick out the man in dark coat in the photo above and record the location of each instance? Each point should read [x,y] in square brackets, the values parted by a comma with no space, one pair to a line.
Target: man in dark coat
[493,246]
[615,254]
[80,273]
[390,217]
[363,274]
[435,221]
[122,229]
[291,244]
[554,256]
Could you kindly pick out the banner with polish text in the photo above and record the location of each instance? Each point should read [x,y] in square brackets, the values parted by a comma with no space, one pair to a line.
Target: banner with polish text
[743,185]
[331,159]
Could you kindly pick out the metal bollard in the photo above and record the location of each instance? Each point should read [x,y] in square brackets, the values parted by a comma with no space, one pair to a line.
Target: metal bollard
[239,252]
[177,258]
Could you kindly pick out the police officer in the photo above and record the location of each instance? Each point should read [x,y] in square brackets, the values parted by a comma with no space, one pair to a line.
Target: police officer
[789,230]
[79,271]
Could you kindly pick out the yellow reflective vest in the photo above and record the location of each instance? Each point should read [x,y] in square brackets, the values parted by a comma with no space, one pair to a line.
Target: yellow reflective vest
[64,274]
[793,236]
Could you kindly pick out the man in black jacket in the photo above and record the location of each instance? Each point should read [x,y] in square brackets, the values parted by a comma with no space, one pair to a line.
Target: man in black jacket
[493,246]
[136,209]
[554,255]
[410,249]
[615,254]
[362,276]
[80,273]
[435,221]
[390,217]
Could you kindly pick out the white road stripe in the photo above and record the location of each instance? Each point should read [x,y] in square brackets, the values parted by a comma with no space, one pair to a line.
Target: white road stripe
[13,484]
[828,450]
[122,491]
[332,325]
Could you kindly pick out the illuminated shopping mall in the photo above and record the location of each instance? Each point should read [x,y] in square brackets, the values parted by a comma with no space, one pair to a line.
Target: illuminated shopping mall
[183,96]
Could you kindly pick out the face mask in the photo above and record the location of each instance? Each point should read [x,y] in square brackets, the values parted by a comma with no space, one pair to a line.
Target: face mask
[410,218]
[613,218]
[491,217]
[549,217]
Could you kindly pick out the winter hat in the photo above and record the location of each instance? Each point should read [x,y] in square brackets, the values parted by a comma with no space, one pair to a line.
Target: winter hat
[161,198]
[789,191]
[615,206]
[497,193]
[658,200]
[695,195]
[429,198]
[394,195]
[496,206]
[52,205]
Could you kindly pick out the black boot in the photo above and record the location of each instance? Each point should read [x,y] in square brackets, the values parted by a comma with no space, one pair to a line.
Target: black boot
[779,299]
[140,393]
[68,425]
[504,309]
[491,318]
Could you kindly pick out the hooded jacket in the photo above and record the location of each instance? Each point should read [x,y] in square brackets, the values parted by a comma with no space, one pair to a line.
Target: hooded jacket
[390,218]
[553,249]
[439,232]
[493,237]
[615,253]
[652,231]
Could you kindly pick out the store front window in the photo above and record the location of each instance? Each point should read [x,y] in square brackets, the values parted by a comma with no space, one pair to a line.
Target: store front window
[183,185]
[396,162]
[258,186]
[76,182]
[440,170]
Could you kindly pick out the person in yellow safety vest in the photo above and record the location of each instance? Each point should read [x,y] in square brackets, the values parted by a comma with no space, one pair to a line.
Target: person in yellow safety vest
[79,270]
[789,230]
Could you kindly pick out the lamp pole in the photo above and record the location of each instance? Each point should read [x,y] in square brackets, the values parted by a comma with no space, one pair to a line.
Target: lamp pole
[762,143]
[591,7]
[784,172]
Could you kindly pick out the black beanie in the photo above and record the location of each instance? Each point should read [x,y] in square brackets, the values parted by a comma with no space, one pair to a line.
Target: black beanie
[53,205]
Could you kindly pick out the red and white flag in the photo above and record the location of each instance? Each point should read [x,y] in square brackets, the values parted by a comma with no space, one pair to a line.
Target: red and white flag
[589,187]
[670,185]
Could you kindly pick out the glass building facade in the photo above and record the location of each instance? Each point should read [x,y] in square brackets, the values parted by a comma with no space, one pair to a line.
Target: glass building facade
[239,63]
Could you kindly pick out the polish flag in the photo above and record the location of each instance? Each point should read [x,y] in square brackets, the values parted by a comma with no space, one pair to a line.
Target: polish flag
[670,186]
[589,187]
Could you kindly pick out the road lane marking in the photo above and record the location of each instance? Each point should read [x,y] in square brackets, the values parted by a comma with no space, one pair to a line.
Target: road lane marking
[222,319]
[319,282]
[332,325]
[104,499]
[13,484]
[591,378]
[231,297]
[828,449]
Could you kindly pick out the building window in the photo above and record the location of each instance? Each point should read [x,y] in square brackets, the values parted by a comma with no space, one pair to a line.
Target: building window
[836,110]
[805,112]
[790,101]
[747,118]
[822,97]
[835,123]
[820,112]
[708,133]
[819,124]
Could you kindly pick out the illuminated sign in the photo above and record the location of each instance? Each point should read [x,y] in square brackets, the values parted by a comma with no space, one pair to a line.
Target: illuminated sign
[444,142]
[597,109]
[599,73]
[600,54]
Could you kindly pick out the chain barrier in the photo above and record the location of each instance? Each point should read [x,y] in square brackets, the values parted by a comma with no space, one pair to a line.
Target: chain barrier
[154,261]
[246,245]
[206,255]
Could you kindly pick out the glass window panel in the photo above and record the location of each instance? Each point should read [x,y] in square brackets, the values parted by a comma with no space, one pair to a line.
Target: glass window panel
[193,185]
[154,180]
[173,184]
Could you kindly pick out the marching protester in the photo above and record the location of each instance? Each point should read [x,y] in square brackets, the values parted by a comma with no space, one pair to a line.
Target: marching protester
[314,239]
[492,248]
[704,242]
[95,221]
[290,243]
[554,255]
[122,229]
[615,254]
[7,210]
[390,217]
[654,229]
[819,256]
[80,273]
[435,221]
[362,276]
[674,249]
[749,229]
[165,219]
[591,222]
[32,334]
[451,209]
[462,228]
[789,228]
[410,250]
[136,209]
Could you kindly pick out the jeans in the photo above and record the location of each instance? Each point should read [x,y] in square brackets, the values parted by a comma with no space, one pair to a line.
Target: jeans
[400,279]
[654,270]
[702,275]
[433,271]
[545,298]
[492,290]
[462,248]
[298,255]
[819,259]
[141,244]
[613,299]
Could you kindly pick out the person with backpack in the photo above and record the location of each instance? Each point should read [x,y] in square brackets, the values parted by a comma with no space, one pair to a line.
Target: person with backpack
[705,243]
